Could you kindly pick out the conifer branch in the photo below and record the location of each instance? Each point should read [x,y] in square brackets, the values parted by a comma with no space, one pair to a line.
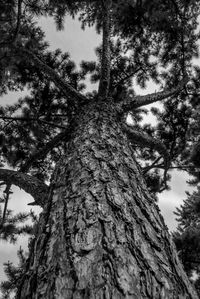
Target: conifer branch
[161,166]
[51,124]
[19,118]
[153,165]
[139,101]
[14,178]
[73,96]
[143,140]
[127,76]
[19,12]
[28,183]
[105,57]
[45,150]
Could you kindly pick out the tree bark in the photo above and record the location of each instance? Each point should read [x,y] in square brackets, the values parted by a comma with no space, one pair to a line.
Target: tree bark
[101,234]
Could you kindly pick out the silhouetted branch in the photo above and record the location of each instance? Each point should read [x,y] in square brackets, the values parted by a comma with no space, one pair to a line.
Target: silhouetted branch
[71,94]
[161,166]
[45,150]
[153,165]
[18,118]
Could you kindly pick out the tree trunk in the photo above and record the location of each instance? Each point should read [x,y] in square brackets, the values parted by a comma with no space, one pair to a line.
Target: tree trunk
[101,234]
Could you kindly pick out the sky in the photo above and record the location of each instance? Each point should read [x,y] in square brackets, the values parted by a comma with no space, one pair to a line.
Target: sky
[81,44]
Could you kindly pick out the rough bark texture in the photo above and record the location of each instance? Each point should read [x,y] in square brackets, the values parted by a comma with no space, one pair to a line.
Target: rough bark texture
[101,235]
[139,101]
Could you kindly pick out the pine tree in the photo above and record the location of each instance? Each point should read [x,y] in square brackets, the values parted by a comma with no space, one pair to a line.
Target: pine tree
[187,236]
[100,234]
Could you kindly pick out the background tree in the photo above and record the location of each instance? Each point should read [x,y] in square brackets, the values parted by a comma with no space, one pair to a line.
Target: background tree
[187,236]
[100,233]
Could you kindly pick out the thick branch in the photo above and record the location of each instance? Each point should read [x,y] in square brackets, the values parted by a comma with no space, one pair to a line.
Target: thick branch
[28,183]
[105,58]
[45,150]
[71,93]
[73,96]
[138,101]
[144,140]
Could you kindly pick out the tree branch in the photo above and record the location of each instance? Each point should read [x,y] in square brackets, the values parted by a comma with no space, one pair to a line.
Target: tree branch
[28,183]
[19,118]
[161,166]
[127,76]
[139,101]
[70,93]
[153,165]
[73,96]
[19,13]
[44,151]
[14,177]
[177,8]
[144,140]
[105,57]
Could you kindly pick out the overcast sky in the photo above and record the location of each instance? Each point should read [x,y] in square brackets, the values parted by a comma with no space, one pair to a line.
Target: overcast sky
[81,44]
